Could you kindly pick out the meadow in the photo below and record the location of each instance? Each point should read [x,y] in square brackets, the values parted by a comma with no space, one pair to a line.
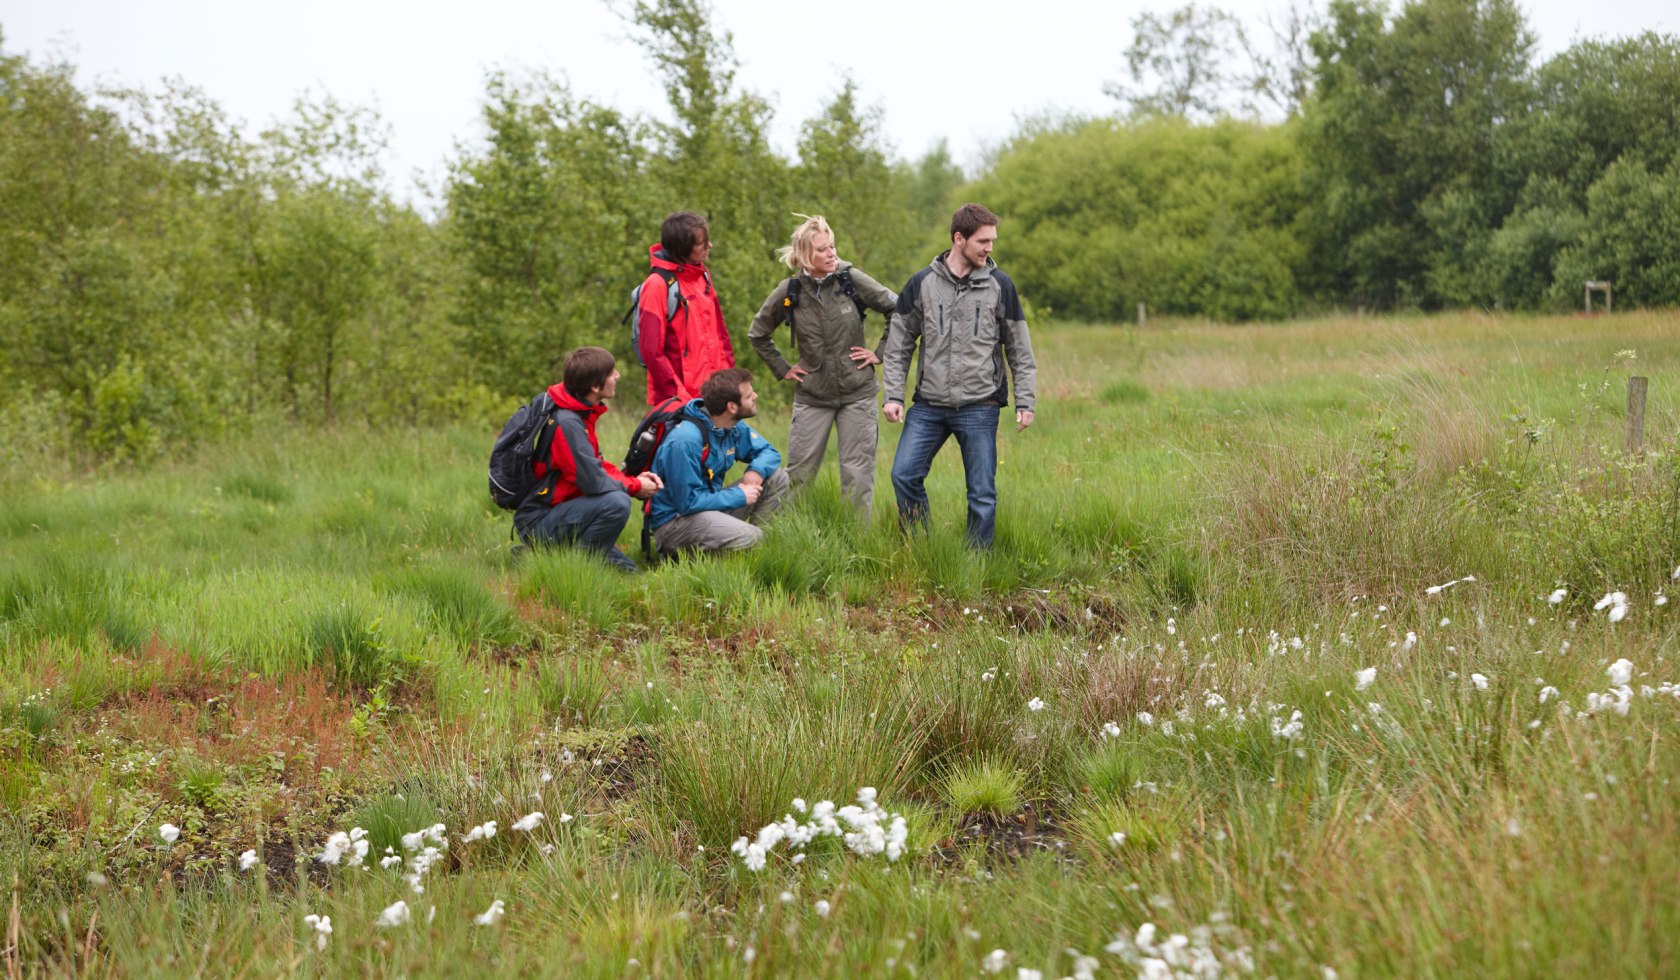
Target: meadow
[1327,648]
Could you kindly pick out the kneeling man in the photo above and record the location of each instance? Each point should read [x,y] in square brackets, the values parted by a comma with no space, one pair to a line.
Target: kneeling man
[583,500]
[694,511]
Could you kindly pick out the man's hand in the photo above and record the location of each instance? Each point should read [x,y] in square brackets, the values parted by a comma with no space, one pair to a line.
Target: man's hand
[752,490]
[864,357]
[648,484]
[796,374]
[893,411]
[752,478]
[1023,418]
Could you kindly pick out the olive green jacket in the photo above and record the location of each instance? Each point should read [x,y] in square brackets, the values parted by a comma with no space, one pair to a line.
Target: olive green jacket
[826,326]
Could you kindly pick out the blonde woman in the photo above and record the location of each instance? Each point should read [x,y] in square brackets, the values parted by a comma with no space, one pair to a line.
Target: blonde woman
[823,303]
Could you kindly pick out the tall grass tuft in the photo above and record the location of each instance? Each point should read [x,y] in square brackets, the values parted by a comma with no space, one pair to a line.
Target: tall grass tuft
[741,763]
[350,641]
[461,605]
[578,586]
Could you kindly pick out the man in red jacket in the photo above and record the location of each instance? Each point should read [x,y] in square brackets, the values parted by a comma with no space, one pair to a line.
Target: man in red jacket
[685,349]
[583,500]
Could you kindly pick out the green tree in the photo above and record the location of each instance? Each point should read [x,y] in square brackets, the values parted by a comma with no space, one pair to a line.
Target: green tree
[548,224]
[1400,136]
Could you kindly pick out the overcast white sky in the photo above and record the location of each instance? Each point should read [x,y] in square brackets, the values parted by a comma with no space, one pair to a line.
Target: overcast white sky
[965,72]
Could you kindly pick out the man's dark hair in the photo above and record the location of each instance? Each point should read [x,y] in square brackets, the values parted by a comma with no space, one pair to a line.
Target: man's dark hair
[969,219]
[722,388]
[586,369]
[682,231]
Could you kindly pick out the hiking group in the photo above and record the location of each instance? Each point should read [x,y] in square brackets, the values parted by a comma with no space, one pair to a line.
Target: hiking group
[960,311]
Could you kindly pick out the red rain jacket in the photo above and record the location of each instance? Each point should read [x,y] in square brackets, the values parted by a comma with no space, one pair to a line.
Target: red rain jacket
[684,353]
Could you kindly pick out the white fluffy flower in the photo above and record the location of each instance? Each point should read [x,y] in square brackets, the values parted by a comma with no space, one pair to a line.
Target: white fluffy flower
[994,961]
[248,860]
[1621,672]
[1145,719]
[529,821]
[322,924]
[483,831]
[822,908]
[394,915]
[491,915]
[1557,597]
[1036,704]
[169,832]
[1480,680]
[1117,838]
[1110,730]
[1364,678]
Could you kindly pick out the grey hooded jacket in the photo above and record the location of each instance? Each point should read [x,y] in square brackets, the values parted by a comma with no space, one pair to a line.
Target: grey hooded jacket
[967,328]
[826,326]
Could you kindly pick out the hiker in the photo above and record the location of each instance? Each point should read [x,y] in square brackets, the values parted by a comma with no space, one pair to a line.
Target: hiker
[694,511]
[967,316]
[823,303]
[679,319]
[583,500]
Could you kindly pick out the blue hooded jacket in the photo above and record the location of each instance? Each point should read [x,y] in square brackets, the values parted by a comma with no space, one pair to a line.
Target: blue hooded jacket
[692,486]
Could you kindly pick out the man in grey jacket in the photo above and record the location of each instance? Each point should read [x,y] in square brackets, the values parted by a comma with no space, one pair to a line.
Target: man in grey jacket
[967,317]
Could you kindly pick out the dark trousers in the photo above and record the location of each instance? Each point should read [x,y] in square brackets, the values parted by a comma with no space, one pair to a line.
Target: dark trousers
[926,428]
[590,523]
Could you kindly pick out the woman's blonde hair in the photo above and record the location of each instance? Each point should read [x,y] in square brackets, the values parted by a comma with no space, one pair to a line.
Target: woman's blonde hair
[798,252]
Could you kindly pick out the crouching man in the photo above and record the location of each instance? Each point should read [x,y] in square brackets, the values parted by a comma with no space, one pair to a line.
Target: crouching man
[693,510]
[583,500]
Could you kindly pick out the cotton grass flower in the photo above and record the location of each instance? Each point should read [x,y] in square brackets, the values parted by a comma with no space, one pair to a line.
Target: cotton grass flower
[1364,678]
[350,849]
[1557,597]
[822,908]
[249,860]
[528,822]
[170,833]
[995,961]
[866,829]
[394,915]
[483,831]
[1480,680]
[1621,672]
[1036,704]
[322,924]
[1616,602]
[491,915]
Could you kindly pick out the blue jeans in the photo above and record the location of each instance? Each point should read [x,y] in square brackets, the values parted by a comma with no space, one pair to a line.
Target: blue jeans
[590,523]
[926,427]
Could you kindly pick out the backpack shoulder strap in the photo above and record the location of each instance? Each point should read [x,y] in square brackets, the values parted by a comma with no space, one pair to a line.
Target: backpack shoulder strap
[849,288]
[673,294]
[790,302]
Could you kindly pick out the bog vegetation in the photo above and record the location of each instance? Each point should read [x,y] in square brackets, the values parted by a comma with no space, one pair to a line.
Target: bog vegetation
[1337,644]
[1301,648]
[167,278]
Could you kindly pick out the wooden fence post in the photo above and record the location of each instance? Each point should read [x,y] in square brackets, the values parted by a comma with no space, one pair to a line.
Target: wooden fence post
[1636,415]
[1142,314]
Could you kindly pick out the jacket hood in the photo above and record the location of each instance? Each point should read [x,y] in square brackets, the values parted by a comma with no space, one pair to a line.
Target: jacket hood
[563,399]
[943,270]
[696,409]
[658,259]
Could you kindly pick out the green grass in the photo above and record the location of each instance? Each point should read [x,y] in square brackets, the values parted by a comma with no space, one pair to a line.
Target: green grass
[1205,535]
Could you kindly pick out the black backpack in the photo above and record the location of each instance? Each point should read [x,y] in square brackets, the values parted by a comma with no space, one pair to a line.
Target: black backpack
[644,443]
[526,438]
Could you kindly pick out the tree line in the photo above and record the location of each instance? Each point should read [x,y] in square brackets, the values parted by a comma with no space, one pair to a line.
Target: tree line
[166,278]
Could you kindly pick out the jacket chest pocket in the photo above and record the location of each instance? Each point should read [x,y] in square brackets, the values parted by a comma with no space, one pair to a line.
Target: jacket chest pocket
[982,322]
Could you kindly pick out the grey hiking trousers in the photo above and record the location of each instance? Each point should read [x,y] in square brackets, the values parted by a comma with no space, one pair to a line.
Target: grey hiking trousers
[724,530]
[859,434]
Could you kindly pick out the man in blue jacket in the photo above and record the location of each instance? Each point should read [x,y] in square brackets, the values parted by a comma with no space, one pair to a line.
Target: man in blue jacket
[694,511]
